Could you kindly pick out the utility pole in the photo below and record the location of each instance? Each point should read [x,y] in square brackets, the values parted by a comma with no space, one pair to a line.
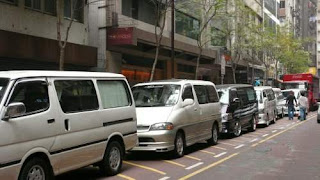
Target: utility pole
[172,38]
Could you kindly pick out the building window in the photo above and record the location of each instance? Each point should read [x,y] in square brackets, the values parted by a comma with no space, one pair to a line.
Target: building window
[10,1]
[142,10]
[46,6]
[282,4]
[33,4]
[74,7]
[187,25]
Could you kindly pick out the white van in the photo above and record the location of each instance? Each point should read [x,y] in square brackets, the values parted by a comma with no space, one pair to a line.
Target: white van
[55,121]
[173,114]
[266,105]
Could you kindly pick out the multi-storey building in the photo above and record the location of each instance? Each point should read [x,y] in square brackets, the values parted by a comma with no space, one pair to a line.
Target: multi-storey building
[28,36]
[124,32]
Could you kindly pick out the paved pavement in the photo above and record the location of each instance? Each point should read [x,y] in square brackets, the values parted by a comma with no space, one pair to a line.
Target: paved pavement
[285,150]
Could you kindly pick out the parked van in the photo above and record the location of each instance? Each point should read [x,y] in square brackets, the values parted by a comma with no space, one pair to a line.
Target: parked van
[266,104]
[280,101]
[54,121]
[173,114]
[239,108]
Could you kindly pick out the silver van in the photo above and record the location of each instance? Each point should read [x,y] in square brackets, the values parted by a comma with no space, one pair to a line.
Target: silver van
[266,105]
[173,114]
[57,121]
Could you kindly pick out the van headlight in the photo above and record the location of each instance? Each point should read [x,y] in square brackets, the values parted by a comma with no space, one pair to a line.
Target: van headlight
[162,126]
[224,117]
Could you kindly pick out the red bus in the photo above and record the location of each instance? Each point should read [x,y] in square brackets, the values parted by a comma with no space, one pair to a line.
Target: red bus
[305,81]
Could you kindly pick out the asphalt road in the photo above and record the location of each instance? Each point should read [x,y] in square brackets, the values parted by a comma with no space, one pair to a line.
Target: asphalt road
[284,150]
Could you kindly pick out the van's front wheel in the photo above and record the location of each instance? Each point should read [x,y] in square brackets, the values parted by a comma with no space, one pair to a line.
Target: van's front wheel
[112,160]
[179,145]
[36,168]
[214,135]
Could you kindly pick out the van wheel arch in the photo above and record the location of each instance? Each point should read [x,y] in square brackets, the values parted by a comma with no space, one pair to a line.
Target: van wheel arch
[42,156]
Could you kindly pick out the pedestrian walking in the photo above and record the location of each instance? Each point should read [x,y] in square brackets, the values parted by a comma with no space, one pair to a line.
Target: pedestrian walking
[303,106]
[290,103]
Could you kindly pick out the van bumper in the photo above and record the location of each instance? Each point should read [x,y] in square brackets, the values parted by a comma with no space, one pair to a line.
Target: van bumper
[158,141]
[228,127]
[10,172]
[130,141]
[262,119]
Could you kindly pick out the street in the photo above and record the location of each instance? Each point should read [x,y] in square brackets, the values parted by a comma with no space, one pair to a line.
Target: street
[285,150]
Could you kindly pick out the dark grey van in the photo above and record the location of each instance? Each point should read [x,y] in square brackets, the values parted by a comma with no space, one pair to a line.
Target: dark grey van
[239,108]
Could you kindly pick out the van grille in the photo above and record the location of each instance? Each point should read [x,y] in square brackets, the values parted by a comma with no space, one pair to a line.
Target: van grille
[142,127]
[146,140]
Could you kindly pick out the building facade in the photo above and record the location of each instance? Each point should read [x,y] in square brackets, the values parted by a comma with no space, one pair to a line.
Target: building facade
[28,33]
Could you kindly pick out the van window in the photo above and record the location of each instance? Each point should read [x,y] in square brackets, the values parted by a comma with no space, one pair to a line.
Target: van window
[202,95]
[213,97]
[113,93]
[34,95]
[76,95]
[187,93]
[251,94]
[156,95]
[3,86]
[270,95]
[242,94]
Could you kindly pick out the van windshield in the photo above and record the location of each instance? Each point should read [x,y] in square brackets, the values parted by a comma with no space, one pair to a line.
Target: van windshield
[3,86]
[156,95]
[224,96]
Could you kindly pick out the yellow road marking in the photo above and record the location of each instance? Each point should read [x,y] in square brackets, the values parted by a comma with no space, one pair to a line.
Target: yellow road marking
[236,140]
[144,167]
[125,177]
[264,140]
[191,157]
[219,147]
[208,152]
[175,163]
[258,133]
[208,167]
[227,144]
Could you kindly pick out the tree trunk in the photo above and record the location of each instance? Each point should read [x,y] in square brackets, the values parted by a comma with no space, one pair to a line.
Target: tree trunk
[61,59]
[266,76]
[276,67]
[234,74]
[154,63]
[198,62]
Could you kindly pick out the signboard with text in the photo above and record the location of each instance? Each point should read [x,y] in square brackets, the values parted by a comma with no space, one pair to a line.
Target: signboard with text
[121,36]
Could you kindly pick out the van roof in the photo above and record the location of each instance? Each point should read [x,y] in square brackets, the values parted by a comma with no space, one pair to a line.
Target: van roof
[262,87]
[225,86]
[35,73]
[176,81]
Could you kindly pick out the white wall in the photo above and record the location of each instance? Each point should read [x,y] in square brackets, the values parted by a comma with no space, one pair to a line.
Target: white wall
[26,21]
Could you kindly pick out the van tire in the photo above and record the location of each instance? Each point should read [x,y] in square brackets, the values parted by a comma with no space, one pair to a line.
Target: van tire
[179,145]
[237,129]
[253,124]
[214,135]
[275,118]
[268,121]
[38,167]
[112,159]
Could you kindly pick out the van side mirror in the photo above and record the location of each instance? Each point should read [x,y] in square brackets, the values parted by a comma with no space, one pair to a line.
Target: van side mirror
[14,110]
[187,102]
[235,101]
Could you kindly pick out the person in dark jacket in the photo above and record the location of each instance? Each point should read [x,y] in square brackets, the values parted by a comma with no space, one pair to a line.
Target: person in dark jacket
[290,103]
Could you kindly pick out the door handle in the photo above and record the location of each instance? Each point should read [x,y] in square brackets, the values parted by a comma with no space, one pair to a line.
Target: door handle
[66,124]
[50,121]
[195,109]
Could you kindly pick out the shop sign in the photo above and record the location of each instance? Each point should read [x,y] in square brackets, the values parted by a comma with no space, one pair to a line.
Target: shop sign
[121,36]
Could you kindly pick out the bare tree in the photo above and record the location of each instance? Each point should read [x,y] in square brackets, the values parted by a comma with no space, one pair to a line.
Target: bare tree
[160,10]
